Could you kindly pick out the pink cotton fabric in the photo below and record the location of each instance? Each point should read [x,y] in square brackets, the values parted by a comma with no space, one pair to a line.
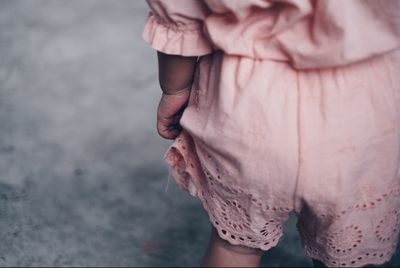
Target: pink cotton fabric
[295,107]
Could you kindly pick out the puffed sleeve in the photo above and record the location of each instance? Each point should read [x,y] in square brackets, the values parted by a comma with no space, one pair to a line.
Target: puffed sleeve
[176,27]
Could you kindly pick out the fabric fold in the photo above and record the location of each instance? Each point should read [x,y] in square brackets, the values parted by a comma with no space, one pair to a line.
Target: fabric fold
[184,164]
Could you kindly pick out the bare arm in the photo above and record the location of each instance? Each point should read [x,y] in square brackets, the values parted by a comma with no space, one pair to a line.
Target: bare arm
[175,72]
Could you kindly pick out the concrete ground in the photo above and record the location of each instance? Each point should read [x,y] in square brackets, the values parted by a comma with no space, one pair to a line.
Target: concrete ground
[82,180]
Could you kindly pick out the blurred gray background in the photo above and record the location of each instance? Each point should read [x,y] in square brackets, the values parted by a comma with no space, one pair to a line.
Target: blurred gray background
[82,180]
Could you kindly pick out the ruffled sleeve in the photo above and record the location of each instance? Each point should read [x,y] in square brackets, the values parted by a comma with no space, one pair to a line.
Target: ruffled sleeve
[176,27]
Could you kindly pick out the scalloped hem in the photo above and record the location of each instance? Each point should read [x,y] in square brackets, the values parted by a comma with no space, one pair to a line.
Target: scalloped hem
[186,40]
[367,257]
[243,240]
[247,237]
[186,169]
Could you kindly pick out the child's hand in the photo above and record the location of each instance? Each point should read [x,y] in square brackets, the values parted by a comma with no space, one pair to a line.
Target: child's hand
[175,75]
[169,113]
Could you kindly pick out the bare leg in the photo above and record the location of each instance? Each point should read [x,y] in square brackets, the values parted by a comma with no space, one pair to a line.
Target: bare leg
[221,253]
[317,263]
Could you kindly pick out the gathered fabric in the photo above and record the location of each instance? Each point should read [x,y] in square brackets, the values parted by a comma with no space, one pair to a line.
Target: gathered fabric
[306,33]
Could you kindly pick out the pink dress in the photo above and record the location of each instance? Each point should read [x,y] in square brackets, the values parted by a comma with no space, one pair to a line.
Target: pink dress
[295,107]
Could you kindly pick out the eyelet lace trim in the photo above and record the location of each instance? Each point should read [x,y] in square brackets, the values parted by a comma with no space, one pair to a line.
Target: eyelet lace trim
[341,248]
[234,224]
[228,215]
[253,223]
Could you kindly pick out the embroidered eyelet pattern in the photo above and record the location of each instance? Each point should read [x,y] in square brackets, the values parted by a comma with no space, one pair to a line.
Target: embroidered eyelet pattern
[235,224]
[367,256]
[232,217]
[230,212]
[345,246]
[388,227]
[213,180]
[342,248]
[374,202]
[271,228]
[345,240]
[267,208]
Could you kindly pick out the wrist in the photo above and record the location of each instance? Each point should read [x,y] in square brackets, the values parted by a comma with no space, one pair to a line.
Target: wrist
[176,91]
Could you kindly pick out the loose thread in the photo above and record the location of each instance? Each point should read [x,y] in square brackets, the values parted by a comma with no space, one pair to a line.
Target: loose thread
[169,175]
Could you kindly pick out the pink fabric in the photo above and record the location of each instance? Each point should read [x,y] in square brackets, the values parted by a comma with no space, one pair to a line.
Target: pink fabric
[265,135]
[308,34]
